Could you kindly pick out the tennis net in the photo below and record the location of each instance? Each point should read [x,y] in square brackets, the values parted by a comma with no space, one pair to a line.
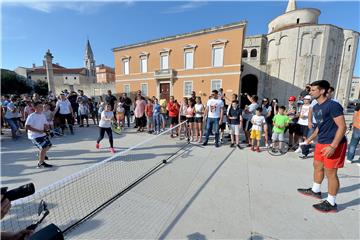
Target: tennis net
[77,197]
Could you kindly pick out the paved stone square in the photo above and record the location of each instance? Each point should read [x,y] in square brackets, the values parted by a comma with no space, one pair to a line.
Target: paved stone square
[202,193]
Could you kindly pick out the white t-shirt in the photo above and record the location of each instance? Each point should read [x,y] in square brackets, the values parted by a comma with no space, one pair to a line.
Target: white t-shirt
[199,108]
[106,123]
[304,111]
[313,103]
[251,111]
[64,106]
[258,121]
[214,106]
[36,120]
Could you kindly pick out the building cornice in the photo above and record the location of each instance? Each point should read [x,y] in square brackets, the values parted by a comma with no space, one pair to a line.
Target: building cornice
[184,35]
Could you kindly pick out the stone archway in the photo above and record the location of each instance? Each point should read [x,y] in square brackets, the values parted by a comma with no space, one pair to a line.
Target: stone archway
[249,85]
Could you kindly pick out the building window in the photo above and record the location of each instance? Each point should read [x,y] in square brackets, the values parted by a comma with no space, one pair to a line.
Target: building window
[144,89]
[189,59]
[143,64]
[218,56]
[253,53]
[74,77]
[244,53]
[164,61]
[298,21]
[126,66]
[188,88]
[127,89]
[349,48]
[45,77]
[216,84]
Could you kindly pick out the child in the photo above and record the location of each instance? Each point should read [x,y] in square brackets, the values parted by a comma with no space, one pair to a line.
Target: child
[190,111]
[280,122]
[84,113]
[105,126]
[49,115]
[235,122]
[120,115]
[156,116]
[258,122]
[199,117]
[149,115]
[173,109]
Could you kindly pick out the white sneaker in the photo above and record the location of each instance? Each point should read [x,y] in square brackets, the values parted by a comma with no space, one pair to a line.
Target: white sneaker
[298,150]
[348,161]
[267,145]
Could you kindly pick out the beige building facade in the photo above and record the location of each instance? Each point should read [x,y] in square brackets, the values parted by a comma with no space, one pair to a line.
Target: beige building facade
[198,61]
[105,74]
[355,89]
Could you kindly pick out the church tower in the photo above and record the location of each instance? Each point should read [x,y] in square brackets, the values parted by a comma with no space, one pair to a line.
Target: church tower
[89,61]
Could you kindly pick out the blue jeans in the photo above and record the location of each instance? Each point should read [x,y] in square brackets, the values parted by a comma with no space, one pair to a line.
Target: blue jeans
[12,124]
[353,143]
[157,122]
[212,123]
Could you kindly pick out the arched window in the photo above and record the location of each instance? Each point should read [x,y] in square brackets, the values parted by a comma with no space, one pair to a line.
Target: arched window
[245,53]
[253,53]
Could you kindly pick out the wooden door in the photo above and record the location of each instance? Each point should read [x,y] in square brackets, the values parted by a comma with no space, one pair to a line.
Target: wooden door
[165,91]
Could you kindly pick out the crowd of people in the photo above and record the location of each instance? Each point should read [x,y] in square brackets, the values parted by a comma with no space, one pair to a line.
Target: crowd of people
[314,113]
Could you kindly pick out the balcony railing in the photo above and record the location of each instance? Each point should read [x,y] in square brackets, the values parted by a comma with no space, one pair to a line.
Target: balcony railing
[164,73]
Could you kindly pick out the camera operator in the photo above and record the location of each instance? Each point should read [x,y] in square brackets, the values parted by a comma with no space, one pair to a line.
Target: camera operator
[23,234]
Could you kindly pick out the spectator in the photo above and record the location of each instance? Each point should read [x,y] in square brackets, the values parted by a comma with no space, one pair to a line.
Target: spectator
[149,116]
[190,112]
[156,116]
[173,109]
[83,113]
[110,99]
[199,118]
[182,114]
[248,113]
[140,113]
[293,127]
[163,113]
[120,114]
[235,121]
[11,117]
[213,116]
[65,113]
[127,104]
[280,122]
[93,110]
[36,125]
[304,122]
[355,135]
[266,107]
[305,92]
[258,122]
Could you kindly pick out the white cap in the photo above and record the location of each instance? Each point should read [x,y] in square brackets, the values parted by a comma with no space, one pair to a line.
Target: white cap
[307,97]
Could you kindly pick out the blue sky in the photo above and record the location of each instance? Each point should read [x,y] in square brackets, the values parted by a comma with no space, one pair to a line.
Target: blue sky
[30,28]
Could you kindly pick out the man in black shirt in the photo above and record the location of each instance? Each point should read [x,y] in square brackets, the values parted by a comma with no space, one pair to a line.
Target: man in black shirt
[127,104]
[110,99]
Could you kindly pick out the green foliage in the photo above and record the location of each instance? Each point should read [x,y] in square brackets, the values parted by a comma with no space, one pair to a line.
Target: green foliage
[11,83]
[41,88]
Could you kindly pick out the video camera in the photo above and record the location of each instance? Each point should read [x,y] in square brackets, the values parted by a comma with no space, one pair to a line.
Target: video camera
[20,192]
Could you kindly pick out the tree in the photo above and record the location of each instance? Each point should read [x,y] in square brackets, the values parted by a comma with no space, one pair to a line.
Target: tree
[12,83]
[41,88]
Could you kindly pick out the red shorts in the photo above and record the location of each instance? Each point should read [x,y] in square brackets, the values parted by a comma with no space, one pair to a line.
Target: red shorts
[336,160]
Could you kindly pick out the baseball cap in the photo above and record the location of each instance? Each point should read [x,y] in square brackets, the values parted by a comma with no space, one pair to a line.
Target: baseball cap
[292,98]
[308,97]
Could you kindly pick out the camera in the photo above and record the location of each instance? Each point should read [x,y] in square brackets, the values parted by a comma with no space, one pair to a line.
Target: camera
[20,192]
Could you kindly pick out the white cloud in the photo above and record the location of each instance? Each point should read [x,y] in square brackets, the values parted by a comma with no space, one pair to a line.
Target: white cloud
[49,6]
[185,7]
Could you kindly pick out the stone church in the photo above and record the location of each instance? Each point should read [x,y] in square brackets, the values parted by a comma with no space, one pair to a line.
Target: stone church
[296,51]
[59,77]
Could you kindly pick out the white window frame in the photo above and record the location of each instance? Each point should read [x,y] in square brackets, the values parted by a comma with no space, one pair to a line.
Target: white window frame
[213,54]
[193,53]
[141,64]
[184,88]
[124,69]
[125,85]
[162,54]
[211,84]
[147,89]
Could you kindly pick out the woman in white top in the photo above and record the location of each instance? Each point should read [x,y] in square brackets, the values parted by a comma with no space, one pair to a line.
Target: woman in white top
[105,126]
[199,117]
[182,114]
[65,113]
[304,118]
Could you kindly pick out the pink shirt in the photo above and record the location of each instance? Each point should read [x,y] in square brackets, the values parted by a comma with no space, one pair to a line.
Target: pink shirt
[140,108]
